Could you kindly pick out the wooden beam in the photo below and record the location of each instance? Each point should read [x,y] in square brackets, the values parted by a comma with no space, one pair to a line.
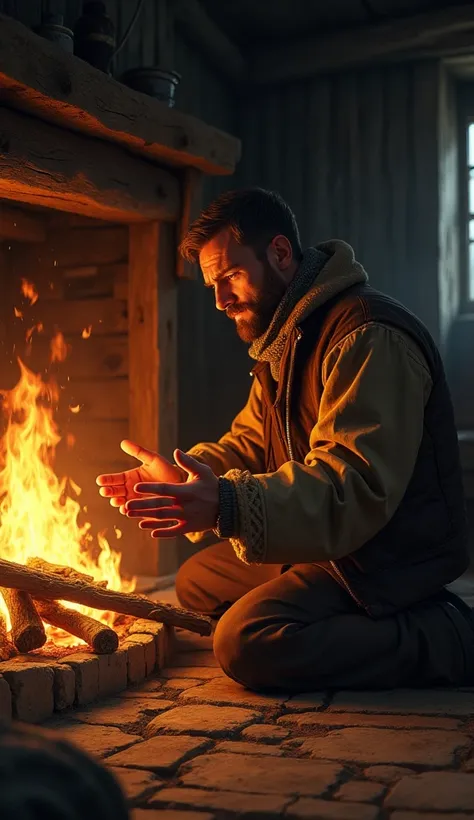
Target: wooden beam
[40,78]
[21,226]
[195,23]
[153,376]
[358,46]
[44,165]
[192,205]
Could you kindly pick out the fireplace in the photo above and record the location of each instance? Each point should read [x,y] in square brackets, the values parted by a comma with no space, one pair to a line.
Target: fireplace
[97,183]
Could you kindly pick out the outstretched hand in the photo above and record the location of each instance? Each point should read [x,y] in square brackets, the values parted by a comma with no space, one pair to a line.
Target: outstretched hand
[120,487]
[179,498]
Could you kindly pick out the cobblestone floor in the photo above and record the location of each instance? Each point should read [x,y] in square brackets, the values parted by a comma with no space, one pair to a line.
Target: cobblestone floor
[192,745]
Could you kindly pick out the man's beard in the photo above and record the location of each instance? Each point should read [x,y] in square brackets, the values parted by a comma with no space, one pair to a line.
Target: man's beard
[262,309]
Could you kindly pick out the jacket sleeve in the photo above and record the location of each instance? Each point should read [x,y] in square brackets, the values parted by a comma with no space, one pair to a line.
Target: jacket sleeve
[242,447]
[362,454]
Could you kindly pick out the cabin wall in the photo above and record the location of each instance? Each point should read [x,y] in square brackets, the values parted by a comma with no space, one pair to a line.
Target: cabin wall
[356,156]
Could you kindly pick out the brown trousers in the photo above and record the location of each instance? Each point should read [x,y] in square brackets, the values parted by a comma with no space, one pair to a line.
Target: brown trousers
[298,630]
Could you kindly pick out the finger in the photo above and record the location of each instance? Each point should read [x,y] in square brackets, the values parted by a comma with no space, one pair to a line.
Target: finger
[194,468]
[152,524]
[111,480]
[118,502]
[162,490]
[138,452]
[165,514]
[111,492]
[170,532]
[153,503]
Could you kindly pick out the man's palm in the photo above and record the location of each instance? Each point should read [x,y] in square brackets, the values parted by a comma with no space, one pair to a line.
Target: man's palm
[120,487]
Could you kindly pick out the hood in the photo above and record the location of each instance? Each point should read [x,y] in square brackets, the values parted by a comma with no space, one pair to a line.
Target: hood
[325,271]
[339,273]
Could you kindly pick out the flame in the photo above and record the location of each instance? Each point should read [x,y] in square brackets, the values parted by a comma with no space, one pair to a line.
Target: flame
[18,313]
[29,291]
[29,333]
[38,515]
[76,408]
[58,348]
[87,332]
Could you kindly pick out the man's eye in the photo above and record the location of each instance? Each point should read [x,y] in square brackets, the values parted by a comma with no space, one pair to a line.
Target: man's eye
[233,275]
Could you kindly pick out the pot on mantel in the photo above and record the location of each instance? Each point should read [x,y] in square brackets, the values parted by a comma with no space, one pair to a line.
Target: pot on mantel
[155,81]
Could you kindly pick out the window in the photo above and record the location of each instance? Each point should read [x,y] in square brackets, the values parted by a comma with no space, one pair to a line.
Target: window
[469,265]
[465,148]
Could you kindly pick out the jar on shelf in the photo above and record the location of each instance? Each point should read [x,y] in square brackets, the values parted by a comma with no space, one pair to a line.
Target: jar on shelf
[94,36]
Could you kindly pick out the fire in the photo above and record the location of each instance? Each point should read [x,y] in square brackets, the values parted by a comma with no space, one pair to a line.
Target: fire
[39,512]
[29,333]
[29,291]
[58,348]
[87,332]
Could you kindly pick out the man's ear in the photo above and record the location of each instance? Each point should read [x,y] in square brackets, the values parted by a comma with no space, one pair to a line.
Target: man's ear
[280,252]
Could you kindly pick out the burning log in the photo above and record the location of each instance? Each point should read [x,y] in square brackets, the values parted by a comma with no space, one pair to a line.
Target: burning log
[27,627]
[101,638]
[48,585]
[7,650]
[65,572]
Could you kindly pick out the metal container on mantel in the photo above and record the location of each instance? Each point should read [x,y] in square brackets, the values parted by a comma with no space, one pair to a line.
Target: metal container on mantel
[154,81]
[52,28]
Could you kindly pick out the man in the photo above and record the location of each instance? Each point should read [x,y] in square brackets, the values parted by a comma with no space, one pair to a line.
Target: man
[338,488]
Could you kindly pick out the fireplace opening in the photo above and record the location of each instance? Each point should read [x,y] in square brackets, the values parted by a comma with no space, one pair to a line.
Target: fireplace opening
[64,407]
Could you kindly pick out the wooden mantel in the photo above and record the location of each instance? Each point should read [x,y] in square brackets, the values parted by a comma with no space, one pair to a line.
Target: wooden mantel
[42,80]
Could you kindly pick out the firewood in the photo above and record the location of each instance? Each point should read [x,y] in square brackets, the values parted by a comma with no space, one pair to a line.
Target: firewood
[27,627]
[101,638]
[65,572]
[7,650]
[48,585]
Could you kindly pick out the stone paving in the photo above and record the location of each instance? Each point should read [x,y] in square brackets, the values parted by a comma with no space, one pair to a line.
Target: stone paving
[189,744]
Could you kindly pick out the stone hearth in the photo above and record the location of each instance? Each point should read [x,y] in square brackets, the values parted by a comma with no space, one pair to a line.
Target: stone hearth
[35,686]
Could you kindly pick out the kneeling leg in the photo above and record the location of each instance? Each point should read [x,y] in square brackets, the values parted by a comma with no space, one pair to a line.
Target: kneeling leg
[302,631]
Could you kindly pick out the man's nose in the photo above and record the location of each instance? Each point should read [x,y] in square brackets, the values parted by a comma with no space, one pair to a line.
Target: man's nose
[223,295]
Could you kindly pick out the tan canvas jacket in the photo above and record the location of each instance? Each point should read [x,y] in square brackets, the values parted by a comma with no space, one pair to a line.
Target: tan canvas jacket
[361,452]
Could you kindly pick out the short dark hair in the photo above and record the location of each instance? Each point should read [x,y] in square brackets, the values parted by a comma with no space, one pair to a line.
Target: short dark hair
[255,216]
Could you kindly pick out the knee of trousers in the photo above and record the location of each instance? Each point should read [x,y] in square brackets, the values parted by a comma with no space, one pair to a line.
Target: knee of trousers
[187,590]
[243,653]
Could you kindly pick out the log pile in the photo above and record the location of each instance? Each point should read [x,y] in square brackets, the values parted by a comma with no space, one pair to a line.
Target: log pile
[32,595]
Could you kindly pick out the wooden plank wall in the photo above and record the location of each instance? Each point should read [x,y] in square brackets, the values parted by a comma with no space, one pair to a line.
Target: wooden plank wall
[80,275]
[356,156]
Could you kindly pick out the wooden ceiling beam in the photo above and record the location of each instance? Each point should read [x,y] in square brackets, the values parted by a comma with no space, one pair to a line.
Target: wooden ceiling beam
[425,33]
[61,89]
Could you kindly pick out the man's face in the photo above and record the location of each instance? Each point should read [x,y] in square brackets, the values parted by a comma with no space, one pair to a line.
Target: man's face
[247,288]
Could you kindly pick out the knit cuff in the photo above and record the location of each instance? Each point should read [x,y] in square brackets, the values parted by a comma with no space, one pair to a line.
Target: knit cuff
[226,526]
[250,539]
